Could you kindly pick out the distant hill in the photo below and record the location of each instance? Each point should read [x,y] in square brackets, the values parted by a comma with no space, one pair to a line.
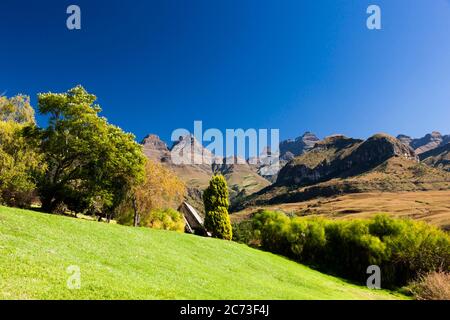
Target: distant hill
[340,165]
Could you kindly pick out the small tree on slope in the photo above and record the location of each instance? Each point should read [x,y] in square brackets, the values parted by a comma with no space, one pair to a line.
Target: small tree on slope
[215,199]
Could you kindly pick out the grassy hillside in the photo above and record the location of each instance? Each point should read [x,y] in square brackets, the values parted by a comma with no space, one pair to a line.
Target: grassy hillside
[120,262]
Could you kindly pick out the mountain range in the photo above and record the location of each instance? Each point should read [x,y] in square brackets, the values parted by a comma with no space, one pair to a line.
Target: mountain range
[311,167]
[243,179]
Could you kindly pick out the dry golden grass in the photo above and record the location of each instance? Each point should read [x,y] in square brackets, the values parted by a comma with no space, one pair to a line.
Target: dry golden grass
[430,206]
[433,286]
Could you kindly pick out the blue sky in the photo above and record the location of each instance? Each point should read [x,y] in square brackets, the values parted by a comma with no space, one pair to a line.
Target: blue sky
[294,65]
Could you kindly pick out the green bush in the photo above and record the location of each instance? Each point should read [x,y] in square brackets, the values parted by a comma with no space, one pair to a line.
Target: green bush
[403,249]
[243,232]
[273,229]
[167,219]
[350,249]
[307,239]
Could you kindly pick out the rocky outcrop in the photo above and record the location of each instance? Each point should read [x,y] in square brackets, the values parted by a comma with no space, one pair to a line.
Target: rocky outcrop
[154,148]
[339,156]
[405,139]
[428,142]
[340,165]
[188,150]
[292,148]
[438,157]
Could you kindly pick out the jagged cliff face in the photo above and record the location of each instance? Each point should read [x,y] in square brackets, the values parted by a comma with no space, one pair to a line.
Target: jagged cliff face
[154,148]
[438,157]
[195,165]
[339,156]
[428,142]
[340,165]
[405,139]
[292,148]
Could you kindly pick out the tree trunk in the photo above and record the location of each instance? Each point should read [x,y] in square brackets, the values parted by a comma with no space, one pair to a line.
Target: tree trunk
[49,203]
[137,218]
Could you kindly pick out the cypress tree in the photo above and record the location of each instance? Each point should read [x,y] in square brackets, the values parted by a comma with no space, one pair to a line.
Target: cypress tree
[215,199]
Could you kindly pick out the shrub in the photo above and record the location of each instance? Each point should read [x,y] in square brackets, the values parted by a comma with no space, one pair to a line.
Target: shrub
[413,248]
[433,286]
[307,239]
[168,219]
[350,249]
[403,249]
[215,199]
[243,232]
[272,227]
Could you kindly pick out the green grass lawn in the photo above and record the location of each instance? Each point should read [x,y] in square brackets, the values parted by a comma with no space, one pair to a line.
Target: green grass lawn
[119,262]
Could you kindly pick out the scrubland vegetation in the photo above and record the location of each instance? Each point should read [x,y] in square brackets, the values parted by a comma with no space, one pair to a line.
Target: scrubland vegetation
[404,249]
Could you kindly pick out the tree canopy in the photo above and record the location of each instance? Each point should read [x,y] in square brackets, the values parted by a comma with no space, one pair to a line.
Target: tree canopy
[161,189]
[90,163]
[17,109]
[20,161]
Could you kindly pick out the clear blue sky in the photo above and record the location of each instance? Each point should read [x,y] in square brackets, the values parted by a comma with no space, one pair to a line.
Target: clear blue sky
[294,65]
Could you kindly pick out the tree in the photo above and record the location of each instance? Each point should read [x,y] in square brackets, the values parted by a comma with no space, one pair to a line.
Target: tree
[161,189]
[215,199]
[17,109]
[20,160]
[90,163]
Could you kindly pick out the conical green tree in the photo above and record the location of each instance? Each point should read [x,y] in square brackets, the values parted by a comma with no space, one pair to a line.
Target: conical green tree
[215,199]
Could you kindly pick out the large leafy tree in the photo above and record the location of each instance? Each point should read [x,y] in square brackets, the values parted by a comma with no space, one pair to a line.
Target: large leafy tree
[90,163]
[215,199]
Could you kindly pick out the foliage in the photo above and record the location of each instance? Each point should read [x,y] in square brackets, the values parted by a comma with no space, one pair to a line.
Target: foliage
[91,163]
[16,109]
[19,162]
[216,195]
[160,189]
[218,223]
[166,219]
[243,232]
[215,199]
[402,248]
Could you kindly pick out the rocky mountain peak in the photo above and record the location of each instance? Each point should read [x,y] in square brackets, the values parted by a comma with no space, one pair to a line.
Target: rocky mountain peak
[190,151]
[387,146]
[428,142]
[154,141]
[298,146]
[340,156]
[405,139]
[336,141]
[154,148]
